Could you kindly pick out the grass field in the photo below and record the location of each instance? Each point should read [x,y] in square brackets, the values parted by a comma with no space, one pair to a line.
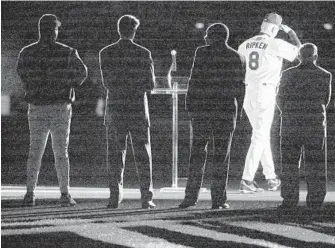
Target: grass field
[252,221]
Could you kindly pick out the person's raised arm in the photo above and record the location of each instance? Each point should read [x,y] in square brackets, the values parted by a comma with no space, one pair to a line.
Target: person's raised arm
[293,36]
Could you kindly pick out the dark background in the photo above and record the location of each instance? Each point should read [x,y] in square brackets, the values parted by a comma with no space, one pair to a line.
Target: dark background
[89,26]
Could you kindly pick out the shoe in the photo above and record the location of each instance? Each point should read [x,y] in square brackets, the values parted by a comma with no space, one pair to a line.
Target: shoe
[224,206]
[112,203]
[29,200]
[288,205]
[288,211]
[148,205]
[314,206]
[66,200]
[187,204]
[249,187]
[274,184]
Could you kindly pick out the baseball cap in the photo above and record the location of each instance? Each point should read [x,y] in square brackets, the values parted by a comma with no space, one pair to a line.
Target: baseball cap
[49,20]
[273,18]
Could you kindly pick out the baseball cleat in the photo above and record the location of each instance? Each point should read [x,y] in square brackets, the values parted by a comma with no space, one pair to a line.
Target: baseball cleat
[187,204]
[249,187]
[112,203]
[274,184]
[148,205]
[220,207]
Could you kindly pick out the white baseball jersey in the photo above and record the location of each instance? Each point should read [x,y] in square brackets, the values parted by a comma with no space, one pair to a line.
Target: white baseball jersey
[263,58]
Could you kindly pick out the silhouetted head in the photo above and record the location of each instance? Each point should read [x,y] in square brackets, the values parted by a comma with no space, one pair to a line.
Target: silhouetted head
[127,26]
[48,27]
[271,24]
[308,53]
[217,33]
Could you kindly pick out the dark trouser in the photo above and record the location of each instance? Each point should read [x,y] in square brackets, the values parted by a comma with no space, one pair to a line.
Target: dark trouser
[117,136]
[303,148]
[204,131]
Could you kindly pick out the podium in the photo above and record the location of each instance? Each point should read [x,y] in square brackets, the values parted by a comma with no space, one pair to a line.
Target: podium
[179,87]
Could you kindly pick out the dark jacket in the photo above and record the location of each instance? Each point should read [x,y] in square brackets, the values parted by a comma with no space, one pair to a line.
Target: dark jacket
[216,79]
[302,92]
[50,72]
[127,73]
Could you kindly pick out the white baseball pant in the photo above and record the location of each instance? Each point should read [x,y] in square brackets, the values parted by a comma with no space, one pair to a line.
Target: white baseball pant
[259,105]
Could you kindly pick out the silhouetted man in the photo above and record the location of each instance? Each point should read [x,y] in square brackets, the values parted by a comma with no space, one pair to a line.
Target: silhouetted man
[215,89]
[49,71]
[303,97]
[128,75]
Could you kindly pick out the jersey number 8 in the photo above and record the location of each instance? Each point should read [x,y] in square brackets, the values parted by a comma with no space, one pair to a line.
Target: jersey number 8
[254,60]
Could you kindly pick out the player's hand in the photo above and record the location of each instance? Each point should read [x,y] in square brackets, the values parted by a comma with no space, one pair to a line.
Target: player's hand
[285,28]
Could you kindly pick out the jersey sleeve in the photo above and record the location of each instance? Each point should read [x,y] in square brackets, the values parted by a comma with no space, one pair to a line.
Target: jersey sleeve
[285,50]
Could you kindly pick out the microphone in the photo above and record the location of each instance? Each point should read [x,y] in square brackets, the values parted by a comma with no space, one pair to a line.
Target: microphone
[173,68]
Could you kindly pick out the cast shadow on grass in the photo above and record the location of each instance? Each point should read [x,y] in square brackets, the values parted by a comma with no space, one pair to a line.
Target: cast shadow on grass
[185,239]
[221,227]
[217,221]
[53,240]
[95,211]
[312,219]
[88,209]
